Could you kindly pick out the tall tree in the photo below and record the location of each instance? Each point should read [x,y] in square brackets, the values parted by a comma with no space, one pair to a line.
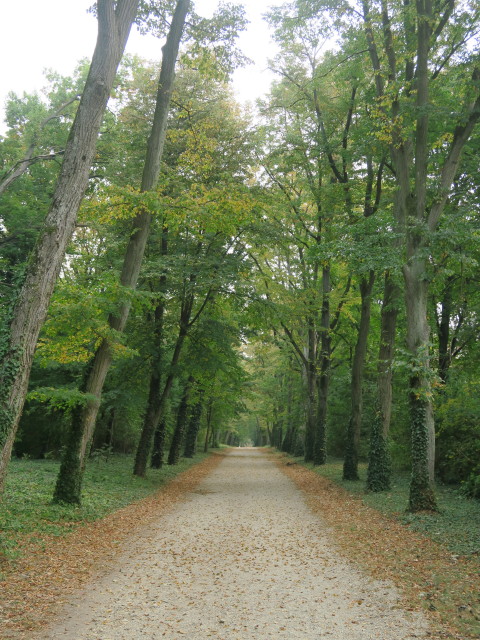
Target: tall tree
[415,49]
[28,312]
[69,482]
[424,31]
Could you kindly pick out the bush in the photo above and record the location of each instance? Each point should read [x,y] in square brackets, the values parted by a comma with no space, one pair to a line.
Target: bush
[471,487]
[458,434]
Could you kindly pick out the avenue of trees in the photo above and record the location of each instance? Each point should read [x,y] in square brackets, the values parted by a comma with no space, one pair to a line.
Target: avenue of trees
[177,273]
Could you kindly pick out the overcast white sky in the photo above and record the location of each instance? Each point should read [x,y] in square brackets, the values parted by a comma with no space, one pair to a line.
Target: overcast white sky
[35,35]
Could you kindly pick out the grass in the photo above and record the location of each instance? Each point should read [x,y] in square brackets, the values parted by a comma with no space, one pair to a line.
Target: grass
[28,514]
[456,525]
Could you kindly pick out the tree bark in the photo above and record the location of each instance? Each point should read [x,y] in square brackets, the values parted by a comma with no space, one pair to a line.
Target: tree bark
[137,242]
[422,426]
[154,395]
[379,464]
[30,308]
[350,465]
[156,410]
[443,331]
[287,440]
[148,430]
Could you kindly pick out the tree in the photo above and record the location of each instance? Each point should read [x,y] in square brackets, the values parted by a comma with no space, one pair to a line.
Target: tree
[414,52]
[69,481]
[420,202]
[28,311]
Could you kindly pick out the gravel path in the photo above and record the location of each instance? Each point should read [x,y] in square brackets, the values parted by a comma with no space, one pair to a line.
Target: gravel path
[241,558]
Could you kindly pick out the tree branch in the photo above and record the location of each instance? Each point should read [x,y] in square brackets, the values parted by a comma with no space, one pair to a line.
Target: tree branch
[449,170]
[21,166]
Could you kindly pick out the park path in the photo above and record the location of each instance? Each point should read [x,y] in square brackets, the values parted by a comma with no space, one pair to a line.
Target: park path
[242,557]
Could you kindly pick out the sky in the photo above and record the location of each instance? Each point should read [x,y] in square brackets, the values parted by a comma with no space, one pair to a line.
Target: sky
[37,35]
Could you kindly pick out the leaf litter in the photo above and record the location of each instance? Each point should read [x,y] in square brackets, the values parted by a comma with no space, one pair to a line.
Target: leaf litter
[444,585]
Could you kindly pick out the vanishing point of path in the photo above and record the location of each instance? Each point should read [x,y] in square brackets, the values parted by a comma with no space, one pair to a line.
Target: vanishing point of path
[240,558]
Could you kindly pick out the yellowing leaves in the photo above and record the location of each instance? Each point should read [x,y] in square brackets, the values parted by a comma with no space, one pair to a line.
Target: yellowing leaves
[76,348]
[119,203]
[210,209]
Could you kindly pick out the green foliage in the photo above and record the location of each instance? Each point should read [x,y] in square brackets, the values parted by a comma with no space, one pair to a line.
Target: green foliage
[471,487]
[56,398]
[211,43]
[458,433]
[257,222]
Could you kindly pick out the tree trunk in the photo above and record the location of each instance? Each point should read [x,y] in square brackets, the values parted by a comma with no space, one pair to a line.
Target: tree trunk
[350,465]
[154,396]
[193,428]
[138,238]
[421,411]
[287,440]
[320,453]
[156,461]
[443,331]
[30,308]
[209,423]
[417,215]
[174,453]
[311,376]
[379,464]
[148,430]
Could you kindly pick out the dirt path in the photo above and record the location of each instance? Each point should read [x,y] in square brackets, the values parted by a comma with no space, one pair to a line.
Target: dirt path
[241,558]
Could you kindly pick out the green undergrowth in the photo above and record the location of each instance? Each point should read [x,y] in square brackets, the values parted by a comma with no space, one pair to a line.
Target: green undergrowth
[27,511]
[456,525]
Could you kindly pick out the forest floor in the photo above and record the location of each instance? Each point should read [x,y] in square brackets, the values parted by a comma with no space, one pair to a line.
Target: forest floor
[230,549]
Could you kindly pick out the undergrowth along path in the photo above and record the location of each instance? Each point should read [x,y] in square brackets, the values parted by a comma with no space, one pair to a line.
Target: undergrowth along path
[241,557]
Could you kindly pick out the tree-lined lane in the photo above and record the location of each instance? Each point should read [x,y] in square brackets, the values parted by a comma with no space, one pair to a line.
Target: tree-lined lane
[242,557]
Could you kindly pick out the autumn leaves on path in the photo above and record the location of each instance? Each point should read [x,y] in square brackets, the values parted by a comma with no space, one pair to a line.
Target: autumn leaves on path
[240,557]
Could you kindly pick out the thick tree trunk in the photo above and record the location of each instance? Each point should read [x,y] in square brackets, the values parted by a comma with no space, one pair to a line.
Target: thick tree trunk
[69,481]
[287,440]
[421,411]
[323,382]
[350,465]
[379,464]
[138,238]
[159,404]
[30,308]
